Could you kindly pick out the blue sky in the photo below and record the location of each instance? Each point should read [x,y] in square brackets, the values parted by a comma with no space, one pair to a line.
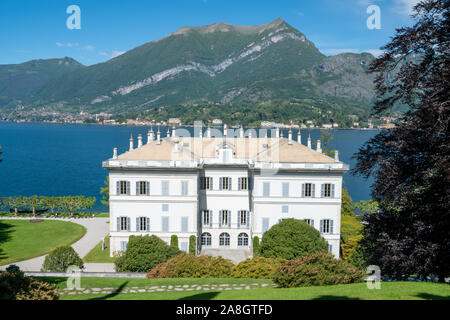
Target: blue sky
[32,29]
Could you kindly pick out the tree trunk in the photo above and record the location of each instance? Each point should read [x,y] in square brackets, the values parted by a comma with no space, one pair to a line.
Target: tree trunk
[15,212]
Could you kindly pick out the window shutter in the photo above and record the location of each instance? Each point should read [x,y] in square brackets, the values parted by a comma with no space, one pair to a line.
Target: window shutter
[128,224]
[248,218]
[210,218]
[312,223]
[265,224]
[239,213]
[117,187]
[313,190]
[331,226]
[332,190]
[138,192]
[303,190]
[322,189]
[321,225]
[230,184]
[147,186]
[137,224]
[148,224]
[184,224]
[220,218]
[220,183]
[128,187]
[229,218]
[118,223]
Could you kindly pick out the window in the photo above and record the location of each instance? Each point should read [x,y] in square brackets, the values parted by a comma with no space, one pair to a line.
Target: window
[224,218]
[310,222]
[184,246]
[224,240]
[206,183]
[142,188]
[265,224]
[165,188]
[326,226]
[285,189]
[142,224]
[266,189]
[165,207]
[165,224]
[123,245]
[327,190]
[330,248]
[284,209]
[206,218]
[243,183]
[225,183]
[206,239]
[184,224]
[243,218]
[308,190]
[123,224]
[123,187]
[184,188]
[242,240]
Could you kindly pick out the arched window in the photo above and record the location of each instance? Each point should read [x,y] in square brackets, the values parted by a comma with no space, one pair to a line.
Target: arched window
[224,240]
[206,239]
[242,240]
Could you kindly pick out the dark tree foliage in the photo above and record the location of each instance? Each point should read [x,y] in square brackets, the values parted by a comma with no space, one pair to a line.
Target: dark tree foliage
[411,163]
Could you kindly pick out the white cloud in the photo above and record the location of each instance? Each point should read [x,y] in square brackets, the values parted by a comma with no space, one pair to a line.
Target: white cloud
[405,6]
[68,45]
[116,53]
[375,52]
[332,52]
[89,48]
[103,53]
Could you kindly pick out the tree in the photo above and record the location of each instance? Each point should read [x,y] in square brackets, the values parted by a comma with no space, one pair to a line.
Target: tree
[290,239]
[174,241]
[255,246]
[15,203]
[72,204]
[33,202]
[53,203]
[104,191]
[60,258]
[192,245]
[347,204]
[409,234]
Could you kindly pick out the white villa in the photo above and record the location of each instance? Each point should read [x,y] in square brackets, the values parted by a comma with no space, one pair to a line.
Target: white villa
[222,188]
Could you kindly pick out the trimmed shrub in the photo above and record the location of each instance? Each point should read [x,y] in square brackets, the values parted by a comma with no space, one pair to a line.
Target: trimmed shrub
[144,253]
[14,285]
[290,239]
[190,266]
[60,258]
[192,245]
[317,270]
[174,241]
[255,246]
[257,268]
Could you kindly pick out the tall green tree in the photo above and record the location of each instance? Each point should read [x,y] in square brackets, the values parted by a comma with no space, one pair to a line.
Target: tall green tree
[104,191]
[410,164]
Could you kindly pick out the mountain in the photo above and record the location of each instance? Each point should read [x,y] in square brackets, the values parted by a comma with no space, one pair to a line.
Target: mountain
[222,63]
[17,80]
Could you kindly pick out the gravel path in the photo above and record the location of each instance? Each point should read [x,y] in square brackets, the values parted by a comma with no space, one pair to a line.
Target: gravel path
[96,230]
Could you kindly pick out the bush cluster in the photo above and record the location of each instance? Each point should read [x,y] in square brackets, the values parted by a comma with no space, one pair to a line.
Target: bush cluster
[190,266]
[60,258]
[290,239]
[317,270]
[144,253]
[257,268]
[14,285]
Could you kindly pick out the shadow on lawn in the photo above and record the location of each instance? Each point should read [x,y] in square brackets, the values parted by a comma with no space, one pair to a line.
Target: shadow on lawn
[201,296]
[429,296]
[5,235]
[331,297]
[115,293]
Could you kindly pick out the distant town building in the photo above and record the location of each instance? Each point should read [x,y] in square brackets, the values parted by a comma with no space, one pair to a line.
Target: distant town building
[217,121]
[327,126]
[174,121]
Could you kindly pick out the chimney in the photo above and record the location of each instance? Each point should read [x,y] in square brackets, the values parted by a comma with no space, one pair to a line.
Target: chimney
[150,136]
[309,142]
[290,136]
[139,140]
[158,137]
[319,148]
[115,153]
[299,137]
[241,132]
[131,143]
[336,156]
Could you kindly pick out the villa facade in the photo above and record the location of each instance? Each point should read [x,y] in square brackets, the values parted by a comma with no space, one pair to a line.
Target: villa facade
[224,190]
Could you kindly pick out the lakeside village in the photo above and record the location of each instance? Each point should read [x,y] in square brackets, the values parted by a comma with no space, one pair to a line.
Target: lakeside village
[103,118]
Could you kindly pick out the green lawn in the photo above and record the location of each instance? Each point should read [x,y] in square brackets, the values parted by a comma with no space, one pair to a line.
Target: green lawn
[98,255]
[22,240]
[358,291]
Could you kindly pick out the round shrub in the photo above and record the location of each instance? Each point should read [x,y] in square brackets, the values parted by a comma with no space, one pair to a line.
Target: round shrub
[290,239]
[257,268]
[14,285]
[144,253]
[317,270]
[190,266]
[60,258]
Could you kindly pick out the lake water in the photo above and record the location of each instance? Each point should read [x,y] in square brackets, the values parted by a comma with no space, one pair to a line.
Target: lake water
[66,159]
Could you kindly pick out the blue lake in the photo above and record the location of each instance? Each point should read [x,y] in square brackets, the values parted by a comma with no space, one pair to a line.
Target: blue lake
[60,159]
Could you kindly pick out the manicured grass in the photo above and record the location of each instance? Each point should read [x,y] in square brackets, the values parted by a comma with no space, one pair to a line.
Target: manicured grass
[357,291]
[98,255]
[22,240]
